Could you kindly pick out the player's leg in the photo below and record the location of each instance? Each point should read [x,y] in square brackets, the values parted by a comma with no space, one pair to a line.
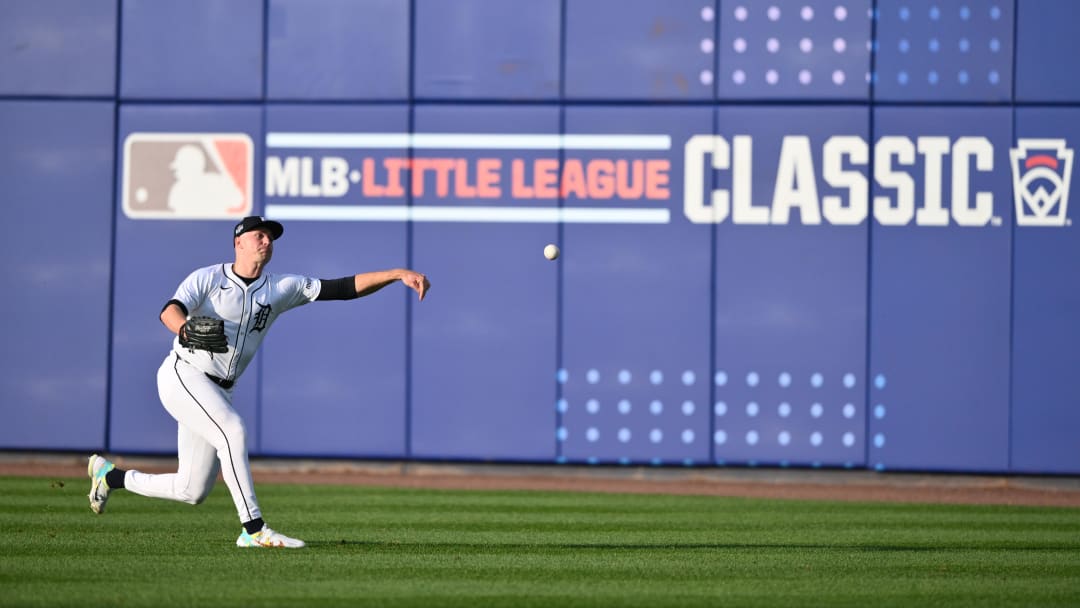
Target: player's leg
[217,431]
[206,410]
[194,477]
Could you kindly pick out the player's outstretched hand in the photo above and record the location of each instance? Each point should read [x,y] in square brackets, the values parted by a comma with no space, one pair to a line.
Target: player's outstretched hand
[417,282]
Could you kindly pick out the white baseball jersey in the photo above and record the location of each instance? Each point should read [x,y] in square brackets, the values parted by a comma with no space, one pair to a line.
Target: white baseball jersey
[247,310]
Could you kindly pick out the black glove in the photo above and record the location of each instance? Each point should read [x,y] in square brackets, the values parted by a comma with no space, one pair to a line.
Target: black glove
[204,333]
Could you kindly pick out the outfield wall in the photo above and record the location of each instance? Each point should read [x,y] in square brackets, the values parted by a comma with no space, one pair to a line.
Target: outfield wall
[795,233]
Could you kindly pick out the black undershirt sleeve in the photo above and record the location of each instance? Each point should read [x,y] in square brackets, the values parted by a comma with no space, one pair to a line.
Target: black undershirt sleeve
[337,289]
[178,303]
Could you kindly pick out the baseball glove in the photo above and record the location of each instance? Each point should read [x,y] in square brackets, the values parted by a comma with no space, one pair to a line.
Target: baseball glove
[204,333]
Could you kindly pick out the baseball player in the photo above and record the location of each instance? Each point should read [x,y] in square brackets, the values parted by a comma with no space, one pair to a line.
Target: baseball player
[221,314]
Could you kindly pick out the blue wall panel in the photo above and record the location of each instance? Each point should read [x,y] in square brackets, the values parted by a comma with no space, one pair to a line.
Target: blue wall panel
[484,344]
[846,279]
[152,257]
[476,49]
[797,49]
[944,51]
[635,334]
[791,293]
[56,166]
[311,55]
[1046,50]
[939,302]
[639,49]
[334,373]
[1046,298]
[201,49]
[58,47]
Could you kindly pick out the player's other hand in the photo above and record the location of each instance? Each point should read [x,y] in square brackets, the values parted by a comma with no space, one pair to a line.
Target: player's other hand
[417,282]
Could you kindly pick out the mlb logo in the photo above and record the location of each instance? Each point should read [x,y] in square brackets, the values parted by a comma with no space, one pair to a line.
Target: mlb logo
[1042,169]
[187,176]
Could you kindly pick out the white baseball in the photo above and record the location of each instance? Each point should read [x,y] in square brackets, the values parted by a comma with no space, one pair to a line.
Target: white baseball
[551,252]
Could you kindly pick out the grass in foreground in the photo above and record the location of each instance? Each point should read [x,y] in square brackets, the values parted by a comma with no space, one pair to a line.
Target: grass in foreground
[406,547]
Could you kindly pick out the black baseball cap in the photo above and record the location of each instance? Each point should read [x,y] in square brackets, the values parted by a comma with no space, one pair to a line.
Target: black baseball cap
[257,221]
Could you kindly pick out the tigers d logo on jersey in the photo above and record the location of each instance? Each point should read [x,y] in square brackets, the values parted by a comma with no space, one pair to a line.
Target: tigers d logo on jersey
[187,176]
[1042,170]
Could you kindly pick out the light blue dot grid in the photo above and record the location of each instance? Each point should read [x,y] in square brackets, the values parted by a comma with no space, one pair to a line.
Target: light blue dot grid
[720,408]
[656,407]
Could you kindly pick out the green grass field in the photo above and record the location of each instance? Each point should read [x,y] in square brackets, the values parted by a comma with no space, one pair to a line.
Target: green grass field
[406,547]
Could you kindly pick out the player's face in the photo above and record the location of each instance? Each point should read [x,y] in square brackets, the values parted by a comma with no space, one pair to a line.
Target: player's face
[256,245]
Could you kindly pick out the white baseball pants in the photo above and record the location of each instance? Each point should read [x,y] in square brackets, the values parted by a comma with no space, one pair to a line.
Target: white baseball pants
[209,432]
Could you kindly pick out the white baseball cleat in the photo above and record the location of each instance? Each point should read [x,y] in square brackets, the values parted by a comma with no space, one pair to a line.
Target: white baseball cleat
[96,469]
[267,538]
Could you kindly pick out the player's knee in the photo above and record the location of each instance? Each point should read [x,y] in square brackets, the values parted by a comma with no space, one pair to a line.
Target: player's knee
[194,496]
[195,493]
[234,431]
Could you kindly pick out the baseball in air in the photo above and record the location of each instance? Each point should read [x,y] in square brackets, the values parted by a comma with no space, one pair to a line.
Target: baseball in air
[551,252]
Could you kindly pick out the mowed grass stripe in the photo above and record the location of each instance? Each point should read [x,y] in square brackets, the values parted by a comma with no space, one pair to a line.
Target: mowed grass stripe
[410,547]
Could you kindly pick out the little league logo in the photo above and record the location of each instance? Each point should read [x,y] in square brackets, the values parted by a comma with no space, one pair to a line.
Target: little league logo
[187,176]
[1041,170]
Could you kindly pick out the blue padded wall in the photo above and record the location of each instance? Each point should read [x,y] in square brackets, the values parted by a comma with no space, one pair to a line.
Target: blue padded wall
[794,50]
[1046,296]
[336,370]
[810,233]
[488,49]
[484,345]
[152,256]
[55,241]
[201,49]
[58,47]
[939,291]
[370,57]
[639,49]
[1046,47]
[944,51]
[791,289]
[635,340]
